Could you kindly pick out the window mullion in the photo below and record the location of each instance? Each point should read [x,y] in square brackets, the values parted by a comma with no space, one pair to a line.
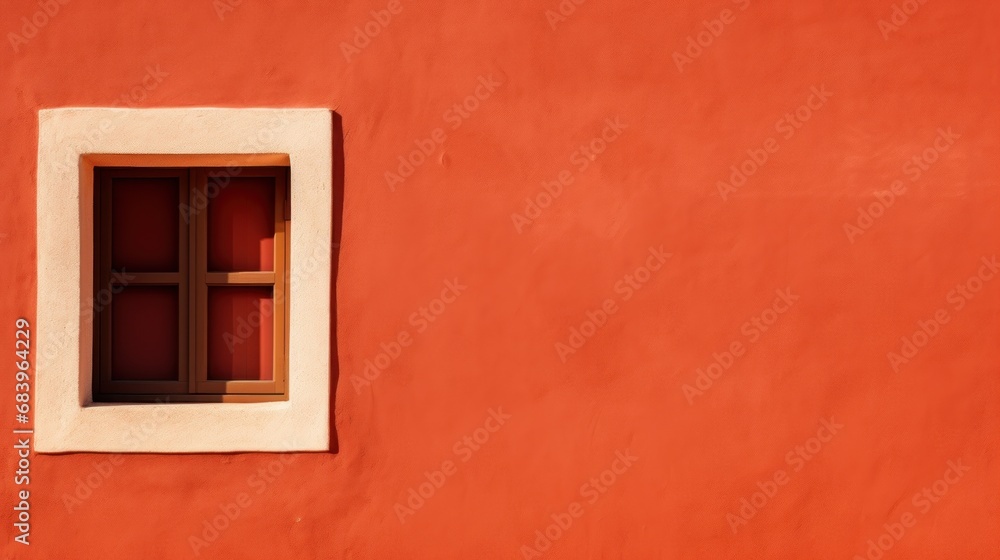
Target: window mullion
[196,281]
[183,286]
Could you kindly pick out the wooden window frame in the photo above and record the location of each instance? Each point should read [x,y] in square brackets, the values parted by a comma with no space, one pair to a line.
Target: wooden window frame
[192,280]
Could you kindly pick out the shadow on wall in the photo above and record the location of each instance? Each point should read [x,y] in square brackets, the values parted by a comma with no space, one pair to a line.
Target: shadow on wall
[338,219]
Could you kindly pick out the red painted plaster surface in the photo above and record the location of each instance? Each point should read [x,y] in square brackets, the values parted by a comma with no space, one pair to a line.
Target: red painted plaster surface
[455,318]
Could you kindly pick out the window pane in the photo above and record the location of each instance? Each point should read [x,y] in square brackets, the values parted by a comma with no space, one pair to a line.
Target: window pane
[144,334]
[240,333]
[144,224]
[241,226]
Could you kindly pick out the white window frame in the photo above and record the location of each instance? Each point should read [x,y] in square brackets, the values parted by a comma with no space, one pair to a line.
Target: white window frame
[71,141]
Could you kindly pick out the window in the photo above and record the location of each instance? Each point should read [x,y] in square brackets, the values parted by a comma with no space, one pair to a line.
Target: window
[74,415]
[195,263]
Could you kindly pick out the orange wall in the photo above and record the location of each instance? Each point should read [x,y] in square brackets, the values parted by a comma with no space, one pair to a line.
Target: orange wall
[853,295]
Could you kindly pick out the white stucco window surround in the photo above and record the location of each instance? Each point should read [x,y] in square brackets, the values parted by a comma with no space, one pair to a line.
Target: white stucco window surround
[71,141]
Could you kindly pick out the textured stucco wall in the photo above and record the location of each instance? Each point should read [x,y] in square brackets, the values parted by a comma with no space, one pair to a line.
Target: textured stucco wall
[801,315]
